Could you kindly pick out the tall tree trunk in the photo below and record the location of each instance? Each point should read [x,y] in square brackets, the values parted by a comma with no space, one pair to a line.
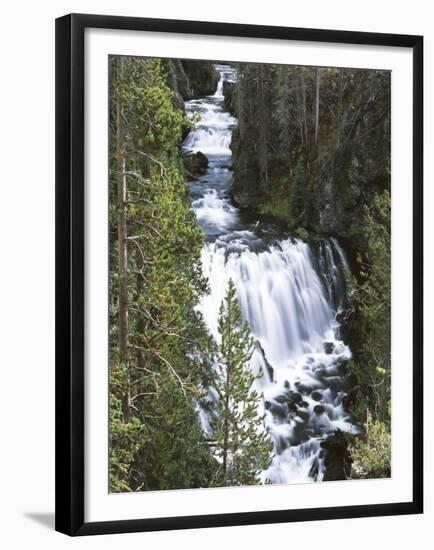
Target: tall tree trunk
[263,123]
[304,117]
[226,432]
[227,389]
[317,106]
[122,236]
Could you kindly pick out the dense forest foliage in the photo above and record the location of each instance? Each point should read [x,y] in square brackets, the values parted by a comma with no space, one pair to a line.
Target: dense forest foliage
[156,337]
[312,145]
[311,149]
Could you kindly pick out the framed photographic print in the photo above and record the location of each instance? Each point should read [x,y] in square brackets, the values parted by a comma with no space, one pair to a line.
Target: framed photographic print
[238,274]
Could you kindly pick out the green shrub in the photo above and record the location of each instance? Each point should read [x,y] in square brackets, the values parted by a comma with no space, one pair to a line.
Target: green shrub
[371,452]
[302,233]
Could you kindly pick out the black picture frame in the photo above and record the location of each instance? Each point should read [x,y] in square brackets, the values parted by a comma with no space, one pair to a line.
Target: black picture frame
[70,239]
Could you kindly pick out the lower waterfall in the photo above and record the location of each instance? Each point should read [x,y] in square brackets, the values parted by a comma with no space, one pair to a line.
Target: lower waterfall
[290,292]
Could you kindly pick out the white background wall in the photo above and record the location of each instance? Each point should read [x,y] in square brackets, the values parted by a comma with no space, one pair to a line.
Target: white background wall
[27,270]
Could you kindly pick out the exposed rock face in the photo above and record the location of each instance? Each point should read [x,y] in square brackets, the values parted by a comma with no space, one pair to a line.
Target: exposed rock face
[191,79]
[202,78]
[230,99]
[178,82]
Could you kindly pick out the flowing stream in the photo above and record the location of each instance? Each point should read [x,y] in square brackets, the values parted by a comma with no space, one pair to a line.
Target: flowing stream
[290,293]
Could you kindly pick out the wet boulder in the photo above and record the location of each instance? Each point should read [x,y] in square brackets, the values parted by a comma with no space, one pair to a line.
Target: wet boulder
[270,370]
[295,398]
[348,401]
[319,409]
[336,383]
[329,347]
[278,410]
[282,398]
[313,472]
[303,414]
[304,388]
[343,367]
[291,399]
[195,164]
[337,459]
[320,370]
[316,395]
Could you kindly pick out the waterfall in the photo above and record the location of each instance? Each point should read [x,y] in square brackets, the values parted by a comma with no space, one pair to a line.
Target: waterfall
[289,293]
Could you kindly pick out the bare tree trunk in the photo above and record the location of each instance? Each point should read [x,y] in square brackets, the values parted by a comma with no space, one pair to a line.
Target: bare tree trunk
[303,91]
[299,113]
[122,236]
[317,106]
[263,160]
[340,111]
[226,432]
[226,425]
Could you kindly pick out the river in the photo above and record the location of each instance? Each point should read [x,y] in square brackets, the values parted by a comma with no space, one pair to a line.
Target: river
[290,292]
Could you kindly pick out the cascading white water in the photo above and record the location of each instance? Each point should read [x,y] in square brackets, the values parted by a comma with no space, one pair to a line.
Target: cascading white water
[290,296]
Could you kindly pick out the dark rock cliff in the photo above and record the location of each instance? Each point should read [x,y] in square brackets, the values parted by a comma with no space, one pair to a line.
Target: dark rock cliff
[191,79]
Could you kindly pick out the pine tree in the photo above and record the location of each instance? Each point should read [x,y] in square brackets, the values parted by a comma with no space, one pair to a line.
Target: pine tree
[158,341]
[241,446]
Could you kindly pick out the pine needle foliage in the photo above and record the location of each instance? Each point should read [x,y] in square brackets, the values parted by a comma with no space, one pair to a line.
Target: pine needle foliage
[157,367]
[242,447]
